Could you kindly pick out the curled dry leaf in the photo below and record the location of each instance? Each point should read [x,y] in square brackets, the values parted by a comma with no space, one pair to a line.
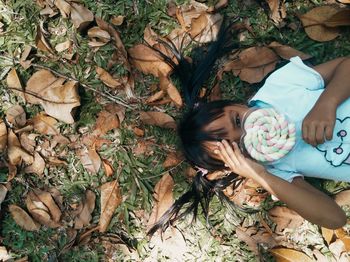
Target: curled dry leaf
[117,110]
[14,82]
[38,165]
[117,20]
[108,167]
[163,198]
[3,192]
[278,10]
[48,201]
[41,42]
[156,96]
[86,208]
[253,64]
[313,22]
[16,154]
[56,95]
[63,46]
[110,200]
[107,79]
[3,136]
[45,124]
[81,16]
[22,218]
[16,116]
[90,159]
[158,119]
[289,255]
[64,7]
[102,35]
[166,84]
[105,122]
[287,52]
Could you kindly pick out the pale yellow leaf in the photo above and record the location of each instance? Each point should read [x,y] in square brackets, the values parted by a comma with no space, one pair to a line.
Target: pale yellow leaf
[289,255]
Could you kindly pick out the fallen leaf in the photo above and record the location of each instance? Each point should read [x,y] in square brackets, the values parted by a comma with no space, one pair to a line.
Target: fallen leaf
[285,218]
[253,64]
[219,5]
[81,16]
[84,216]
[328,235]
[117,20]
[166,84]
[41,42]
[107,79]
[3,136]
[278,10]
[90,159]
[63,46]
[117,110]
[16,154]
[102,35]
[341,18]
[37,167]
[138,131]
[148,61]
[110,200]
[16,116]
[3,192]
[107,167]
[172,159]
[343,198]
[105,122]
[287,52]
[158,119]
[313,23]
[14,82]
[156,96]
[285,255]
[163,198]
[344,1]
[47,199]
[22,218]
[45,124]
[56,95]
[246,238]
[64,7]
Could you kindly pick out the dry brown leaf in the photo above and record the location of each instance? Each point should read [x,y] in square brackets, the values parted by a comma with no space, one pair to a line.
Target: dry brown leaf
[84,216]
[63,46]
[172,159]
[285,218]
[102,35]
[343,198]
[148,61]
[64,7]
[219,5]
[81,16]
[110,200]
[253,64]
[90,160]
[47,199]
[16,116]
[95,44]
[105,122]
[3,192]
[22,218]
[286,255]
[60,96]
[107,79]
[344,1]
[3,136]
[117,20]
[45,124]
[12,172]
[37,167]
[163,198]
[138,131]
[41,42]
[313,23]
[158,119]
[107,167]
[287,52]
[278,10]
[341,18]
[16,154]
[156,96]
[14,82]
[166,84]
[117,110]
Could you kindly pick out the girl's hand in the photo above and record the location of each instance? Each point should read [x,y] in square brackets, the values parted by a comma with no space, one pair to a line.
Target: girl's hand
[239,164]
[319,123]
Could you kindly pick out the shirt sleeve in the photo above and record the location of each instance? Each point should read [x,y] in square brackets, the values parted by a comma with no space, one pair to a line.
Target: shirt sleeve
[296,74]
[286,175]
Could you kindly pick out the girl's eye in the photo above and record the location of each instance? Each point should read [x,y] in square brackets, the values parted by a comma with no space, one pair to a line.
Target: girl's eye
[238,121]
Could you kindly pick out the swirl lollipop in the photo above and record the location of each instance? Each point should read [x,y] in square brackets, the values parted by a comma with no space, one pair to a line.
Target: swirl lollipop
[268,135]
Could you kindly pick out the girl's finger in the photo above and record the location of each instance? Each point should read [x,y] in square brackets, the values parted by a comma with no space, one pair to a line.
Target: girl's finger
[231,153]
[227,154]
[224,158]
[238,152]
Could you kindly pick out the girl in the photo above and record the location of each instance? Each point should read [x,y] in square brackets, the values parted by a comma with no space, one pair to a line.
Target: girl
[314,99]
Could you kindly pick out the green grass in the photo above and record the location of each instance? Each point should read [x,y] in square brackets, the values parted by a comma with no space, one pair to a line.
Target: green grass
[137,175]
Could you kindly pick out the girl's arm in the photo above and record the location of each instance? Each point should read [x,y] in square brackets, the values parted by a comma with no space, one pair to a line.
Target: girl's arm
[313,205]
[319,123]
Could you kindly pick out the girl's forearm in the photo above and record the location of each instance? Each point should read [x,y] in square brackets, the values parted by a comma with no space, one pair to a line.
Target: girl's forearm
[314,206]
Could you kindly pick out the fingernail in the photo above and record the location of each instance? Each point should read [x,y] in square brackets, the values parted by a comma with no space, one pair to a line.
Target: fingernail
[216,151]
[218,143]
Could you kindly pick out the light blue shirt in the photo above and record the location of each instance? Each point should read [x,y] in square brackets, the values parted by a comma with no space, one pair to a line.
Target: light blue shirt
[293,90]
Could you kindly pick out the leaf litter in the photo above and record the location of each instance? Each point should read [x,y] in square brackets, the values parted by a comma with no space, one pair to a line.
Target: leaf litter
[34,145]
